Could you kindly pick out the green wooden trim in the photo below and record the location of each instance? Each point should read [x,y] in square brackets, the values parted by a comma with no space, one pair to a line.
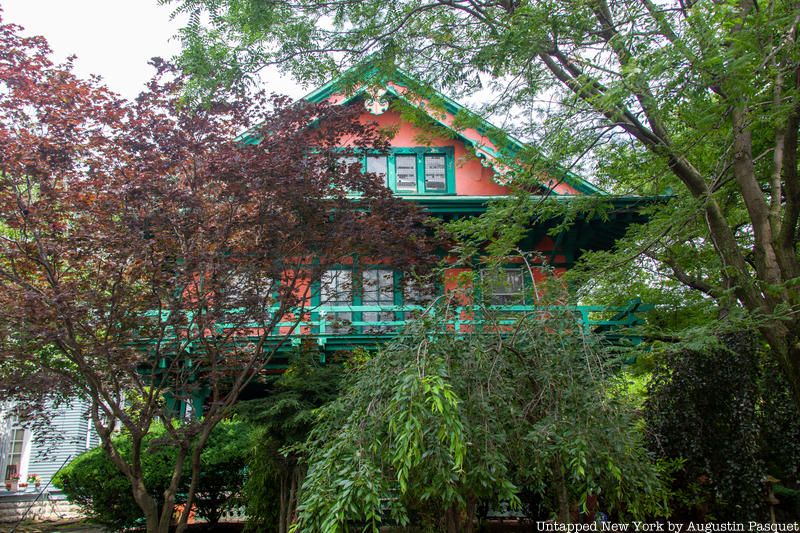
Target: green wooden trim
[369,335]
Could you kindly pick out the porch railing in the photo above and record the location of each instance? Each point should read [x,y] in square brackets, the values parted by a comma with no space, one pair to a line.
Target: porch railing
[333,321]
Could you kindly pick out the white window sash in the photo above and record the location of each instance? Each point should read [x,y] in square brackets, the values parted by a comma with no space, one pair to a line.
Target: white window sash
[406,172]
[435,173]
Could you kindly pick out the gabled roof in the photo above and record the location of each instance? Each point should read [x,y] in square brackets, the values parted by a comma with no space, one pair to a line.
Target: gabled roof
[375,86]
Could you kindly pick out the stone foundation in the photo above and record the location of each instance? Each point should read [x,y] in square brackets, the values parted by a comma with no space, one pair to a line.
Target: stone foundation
[50,506]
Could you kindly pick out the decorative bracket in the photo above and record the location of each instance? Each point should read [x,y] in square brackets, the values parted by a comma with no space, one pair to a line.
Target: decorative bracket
[502,172]
[376,101]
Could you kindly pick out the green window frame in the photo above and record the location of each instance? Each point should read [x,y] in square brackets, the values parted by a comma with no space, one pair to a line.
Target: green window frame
[430,170]
[366,284]
[335,288]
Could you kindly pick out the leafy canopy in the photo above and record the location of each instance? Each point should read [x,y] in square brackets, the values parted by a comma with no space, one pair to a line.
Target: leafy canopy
[702,97]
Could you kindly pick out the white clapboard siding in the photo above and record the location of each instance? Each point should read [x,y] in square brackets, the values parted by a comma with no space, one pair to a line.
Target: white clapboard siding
[69,435]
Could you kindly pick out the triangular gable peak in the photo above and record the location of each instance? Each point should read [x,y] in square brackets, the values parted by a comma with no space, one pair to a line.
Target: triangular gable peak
[493,148]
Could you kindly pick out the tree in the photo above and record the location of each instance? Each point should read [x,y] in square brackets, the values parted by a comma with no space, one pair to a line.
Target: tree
[149,261]
[284,418]
[438,425]
[702,96]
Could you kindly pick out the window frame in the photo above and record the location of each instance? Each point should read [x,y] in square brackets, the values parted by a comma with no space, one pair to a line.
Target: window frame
[420,153]
[337,322]
[382,274]
[24,453]
[396,188]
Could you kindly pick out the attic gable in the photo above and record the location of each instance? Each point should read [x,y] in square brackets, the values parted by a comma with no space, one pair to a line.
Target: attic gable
[493,147]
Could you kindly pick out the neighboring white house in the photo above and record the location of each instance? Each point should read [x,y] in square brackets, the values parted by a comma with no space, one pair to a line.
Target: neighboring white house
[22,451]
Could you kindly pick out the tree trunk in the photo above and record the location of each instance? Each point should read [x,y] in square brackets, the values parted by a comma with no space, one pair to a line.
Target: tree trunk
[168,511]
[561,492]
[453,518]
[197,450]
[790,361]
[472,511]
[283,517]
[148,506]
[291,505]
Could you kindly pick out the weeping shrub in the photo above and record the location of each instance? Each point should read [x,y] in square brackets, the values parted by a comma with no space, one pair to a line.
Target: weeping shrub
[437,426]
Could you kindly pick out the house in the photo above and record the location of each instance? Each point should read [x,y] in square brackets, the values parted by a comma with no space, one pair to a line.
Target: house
[42,452]
[450,171]
[452,168]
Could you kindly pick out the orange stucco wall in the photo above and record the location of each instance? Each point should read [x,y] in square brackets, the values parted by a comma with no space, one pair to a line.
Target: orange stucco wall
[472,179]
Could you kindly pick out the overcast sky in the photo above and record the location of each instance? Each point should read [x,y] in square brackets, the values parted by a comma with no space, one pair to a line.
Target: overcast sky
[112,38]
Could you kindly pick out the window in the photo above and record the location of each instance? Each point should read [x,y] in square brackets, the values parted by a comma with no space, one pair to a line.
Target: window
[378,165]
[17,456]
[346,161]
[420,293]
[505,287]
[435,175]
[417,170]
[336,289]
[246,289]
[377,289]
[406,169]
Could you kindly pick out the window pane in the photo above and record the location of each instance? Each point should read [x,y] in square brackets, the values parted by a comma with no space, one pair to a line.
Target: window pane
[435,173]
[246,288]
[420,293]
[378,289]
[377,164]
[406,166]
[336,290]
[339,323]
[337,287]
[346,161]
[506,287]
[14,458]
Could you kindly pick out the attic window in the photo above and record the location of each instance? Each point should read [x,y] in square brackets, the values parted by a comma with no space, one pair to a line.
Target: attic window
[435,177]
[406,167]
[377,164]
[411,170]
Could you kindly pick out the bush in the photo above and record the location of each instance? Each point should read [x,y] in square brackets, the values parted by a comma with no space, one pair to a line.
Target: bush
[435,428]
[284,418]
[702,410]
[222,474]
[93,482]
